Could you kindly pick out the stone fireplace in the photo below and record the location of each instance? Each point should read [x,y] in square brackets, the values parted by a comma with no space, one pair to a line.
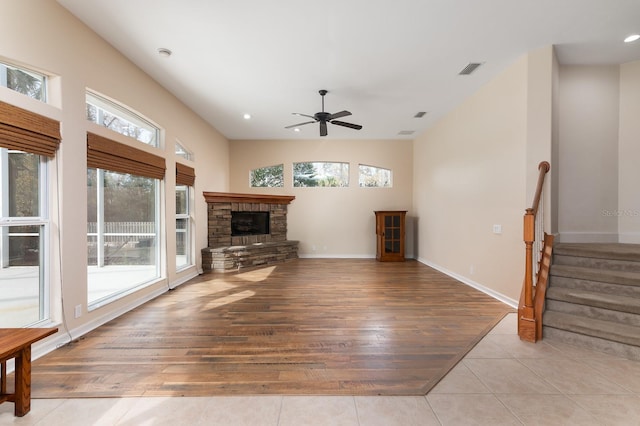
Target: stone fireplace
[246,230]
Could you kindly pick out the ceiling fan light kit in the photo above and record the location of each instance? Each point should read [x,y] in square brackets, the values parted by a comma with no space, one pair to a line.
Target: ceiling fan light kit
[323,118]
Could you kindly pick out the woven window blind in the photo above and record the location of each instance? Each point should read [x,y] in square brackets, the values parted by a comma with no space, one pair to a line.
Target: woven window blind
[185,175]
[107,154]
[27,131]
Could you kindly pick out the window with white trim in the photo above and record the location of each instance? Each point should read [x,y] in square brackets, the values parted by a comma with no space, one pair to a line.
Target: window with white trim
[267,177]
[184,256]
[374,177]
[183,152]
[23,230]
[120,119]
[123,235]
[27,142]
[319,173]
[28,82]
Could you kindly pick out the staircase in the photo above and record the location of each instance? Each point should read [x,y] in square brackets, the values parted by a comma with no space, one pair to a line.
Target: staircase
[593,298]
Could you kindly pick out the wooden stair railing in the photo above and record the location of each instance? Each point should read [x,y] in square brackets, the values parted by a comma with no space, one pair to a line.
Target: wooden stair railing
[531,305]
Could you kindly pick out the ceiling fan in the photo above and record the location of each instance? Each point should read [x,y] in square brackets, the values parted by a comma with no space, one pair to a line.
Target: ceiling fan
[323,118]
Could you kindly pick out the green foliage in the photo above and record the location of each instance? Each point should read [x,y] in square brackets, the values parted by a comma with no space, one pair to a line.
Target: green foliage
[268,177]
[127,198]
[372,177]
[304,174]
[24,184]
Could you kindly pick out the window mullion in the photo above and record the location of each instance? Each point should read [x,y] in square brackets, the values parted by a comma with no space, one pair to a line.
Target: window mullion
[4,191]
[100,217]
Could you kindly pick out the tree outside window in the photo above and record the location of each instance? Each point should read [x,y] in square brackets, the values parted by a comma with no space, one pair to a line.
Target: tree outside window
[267,177]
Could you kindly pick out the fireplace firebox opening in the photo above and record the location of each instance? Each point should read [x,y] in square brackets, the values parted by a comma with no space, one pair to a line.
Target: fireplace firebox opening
[249,223]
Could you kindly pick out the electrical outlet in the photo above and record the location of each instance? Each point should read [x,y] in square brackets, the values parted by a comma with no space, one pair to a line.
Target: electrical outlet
[77,313]
[497,229]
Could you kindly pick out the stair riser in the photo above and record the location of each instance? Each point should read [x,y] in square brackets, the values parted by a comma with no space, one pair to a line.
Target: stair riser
[597,344]
[593,312]
[597,263]
[588,331]
[597,300]
[576,283]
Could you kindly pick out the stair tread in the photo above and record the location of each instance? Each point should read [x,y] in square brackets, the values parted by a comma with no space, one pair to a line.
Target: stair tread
[596,274]
[614,251]
[592,298]
[614,331]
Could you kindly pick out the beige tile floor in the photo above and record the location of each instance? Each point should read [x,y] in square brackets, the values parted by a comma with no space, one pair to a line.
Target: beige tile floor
[502,381]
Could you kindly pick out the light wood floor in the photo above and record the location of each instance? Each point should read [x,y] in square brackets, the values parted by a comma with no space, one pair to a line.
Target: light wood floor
[309,326]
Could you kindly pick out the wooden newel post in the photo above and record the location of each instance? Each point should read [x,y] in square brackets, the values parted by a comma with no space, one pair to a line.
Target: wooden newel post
[529,237]
[526,313]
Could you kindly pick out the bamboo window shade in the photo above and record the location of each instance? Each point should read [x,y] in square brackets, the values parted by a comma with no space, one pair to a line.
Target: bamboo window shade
[104,153]
[185,175]
[27,131]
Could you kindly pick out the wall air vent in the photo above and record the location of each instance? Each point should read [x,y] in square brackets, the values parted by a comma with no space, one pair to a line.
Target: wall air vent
[471,67]
[419,114]
[406,132]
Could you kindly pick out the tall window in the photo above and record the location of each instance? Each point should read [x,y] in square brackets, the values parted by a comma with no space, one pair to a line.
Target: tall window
[22,231]
[26,141]
[185,179]
[320,174]
[123,215]
[123,233]
[183,227]
[22,80]
[122,120]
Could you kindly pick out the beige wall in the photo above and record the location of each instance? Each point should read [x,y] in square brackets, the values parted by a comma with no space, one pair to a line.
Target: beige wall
[42,35]
[589,102]
[629,154]
[469,174]
[331,222]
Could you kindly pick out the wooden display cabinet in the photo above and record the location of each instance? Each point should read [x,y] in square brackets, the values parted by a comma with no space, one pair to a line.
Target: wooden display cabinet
[390,230]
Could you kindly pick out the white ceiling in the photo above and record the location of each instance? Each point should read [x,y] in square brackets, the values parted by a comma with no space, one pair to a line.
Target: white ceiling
[382,60]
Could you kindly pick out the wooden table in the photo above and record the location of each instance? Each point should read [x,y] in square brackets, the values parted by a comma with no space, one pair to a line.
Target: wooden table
[16,343]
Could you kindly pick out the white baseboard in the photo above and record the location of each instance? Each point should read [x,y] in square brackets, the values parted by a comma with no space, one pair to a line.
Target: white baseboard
[336,256]
[184,278]
[499,296]
[630,238]
[587,237]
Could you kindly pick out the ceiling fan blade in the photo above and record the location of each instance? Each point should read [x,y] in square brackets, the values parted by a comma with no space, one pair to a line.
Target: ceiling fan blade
[323,128]
[299,124]
[339,115]
[349,125]
[303,115]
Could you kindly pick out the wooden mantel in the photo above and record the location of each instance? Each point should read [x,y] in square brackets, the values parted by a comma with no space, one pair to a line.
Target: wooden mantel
[230,197]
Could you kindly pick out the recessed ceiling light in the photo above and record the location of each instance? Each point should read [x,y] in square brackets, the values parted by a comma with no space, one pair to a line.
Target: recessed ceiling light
[631,38]
[163,51]
[247,116]
[296,130]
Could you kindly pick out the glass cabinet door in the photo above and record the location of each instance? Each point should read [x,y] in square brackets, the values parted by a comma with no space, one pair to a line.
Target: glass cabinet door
[390,235]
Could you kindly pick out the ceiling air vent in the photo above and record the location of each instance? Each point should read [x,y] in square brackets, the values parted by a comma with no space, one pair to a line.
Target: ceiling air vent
[406,132]
[471,67]
[419,114]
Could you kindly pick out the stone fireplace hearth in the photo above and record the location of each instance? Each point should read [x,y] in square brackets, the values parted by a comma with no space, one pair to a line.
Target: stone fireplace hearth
[231,251]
